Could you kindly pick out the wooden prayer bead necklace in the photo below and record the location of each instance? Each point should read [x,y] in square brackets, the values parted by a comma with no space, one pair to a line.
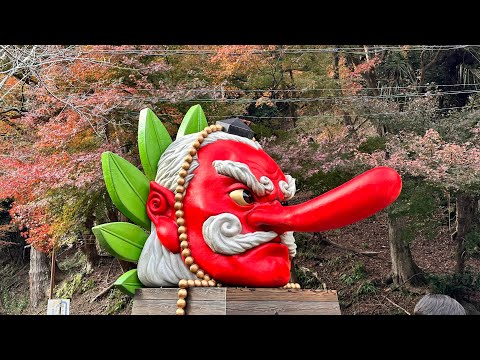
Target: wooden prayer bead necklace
[202,278]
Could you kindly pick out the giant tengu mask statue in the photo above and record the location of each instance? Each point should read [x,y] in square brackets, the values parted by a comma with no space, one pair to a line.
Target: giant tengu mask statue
[217,205]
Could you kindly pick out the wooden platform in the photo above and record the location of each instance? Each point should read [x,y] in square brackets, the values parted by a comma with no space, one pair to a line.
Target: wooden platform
[237,301]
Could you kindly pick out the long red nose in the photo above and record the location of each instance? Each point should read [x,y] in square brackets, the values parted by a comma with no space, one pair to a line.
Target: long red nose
[355,200]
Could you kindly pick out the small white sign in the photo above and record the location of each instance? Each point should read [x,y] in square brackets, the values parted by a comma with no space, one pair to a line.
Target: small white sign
[58,307]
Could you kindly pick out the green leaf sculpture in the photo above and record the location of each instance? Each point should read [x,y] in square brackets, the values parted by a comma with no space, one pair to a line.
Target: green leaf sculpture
[128,188]
[122,240]
[193,121]
[128,282]
[153,139]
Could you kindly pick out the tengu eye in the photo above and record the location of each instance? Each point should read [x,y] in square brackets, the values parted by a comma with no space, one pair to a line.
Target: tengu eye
[284,203]
[242,197]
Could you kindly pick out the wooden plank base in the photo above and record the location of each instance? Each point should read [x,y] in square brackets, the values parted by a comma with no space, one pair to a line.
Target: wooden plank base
[237,301]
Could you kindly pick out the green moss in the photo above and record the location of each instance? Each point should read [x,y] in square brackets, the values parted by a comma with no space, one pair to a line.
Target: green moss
[87,285]
[69,287]
[76,284]
[117,301]
[77,261]
[472,242]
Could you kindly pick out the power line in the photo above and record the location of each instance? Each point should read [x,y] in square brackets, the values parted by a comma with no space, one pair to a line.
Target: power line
[292,100]
[315,99]
[318,115]
[341,116]
[226,90]
[351,50]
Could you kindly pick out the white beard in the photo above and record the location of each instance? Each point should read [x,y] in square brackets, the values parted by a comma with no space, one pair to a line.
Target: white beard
[158,266]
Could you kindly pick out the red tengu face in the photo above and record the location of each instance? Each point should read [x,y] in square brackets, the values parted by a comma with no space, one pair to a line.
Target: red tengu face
[235,223]
[210,194]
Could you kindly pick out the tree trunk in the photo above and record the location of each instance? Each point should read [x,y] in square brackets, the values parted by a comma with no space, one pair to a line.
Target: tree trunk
[293,272]
[336,61]
[39,278]
[90,246]
[90,250]
[404,270]
[467,217]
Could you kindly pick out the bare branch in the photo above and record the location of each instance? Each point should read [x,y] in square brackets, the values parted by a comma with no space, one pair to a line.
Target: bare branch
[8,243]
[398,306]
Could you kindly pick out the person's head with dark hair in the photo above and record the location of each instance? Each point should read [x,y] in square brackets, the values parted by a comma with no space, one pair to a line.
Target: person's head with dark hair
[437,304]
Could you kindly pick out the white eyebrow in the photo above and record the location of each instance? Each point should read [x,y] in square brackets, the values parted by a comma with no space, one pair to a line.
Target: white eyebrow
[288,188]
[241,172]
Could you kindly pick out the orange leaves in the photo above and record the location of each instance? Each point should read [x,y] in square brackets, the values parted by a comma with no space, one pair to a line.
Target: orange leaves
[86,70]
[265,99]
[84,101]
[60,130]
[234,59]
[30,182]
[365,66]
[6,129]
[351,79]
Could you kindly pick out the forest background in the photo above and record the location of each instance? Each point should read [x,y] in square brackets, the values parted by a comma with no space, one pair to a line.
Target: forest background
[325,113]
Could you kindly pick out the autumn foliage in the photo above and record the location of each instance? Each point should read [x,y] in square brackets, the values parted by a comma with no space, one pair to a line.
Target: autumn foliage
[77,108]
[314,109]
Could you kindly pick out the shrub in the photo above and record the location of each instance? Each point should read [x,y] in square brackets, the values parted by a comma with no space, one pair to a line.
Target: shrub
[454,285]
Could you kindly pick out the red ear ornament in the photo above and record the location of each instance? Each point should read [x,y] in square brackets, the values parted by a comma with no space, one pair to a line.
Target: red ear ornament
[160,211]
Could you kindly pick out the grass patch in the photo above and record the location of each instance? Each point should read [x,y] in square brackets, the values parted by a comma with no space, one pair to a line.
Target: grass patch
[12,303]
[367,288]
[355,274]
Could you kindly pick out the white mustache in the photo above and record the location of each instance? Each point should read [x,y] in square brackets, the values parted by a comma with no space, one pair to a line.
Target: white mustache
[288,240]
[222,233]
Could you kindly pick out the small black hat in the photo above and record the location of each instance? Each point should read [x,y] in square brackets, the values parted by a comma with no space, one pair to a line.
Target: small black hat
[236,126]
